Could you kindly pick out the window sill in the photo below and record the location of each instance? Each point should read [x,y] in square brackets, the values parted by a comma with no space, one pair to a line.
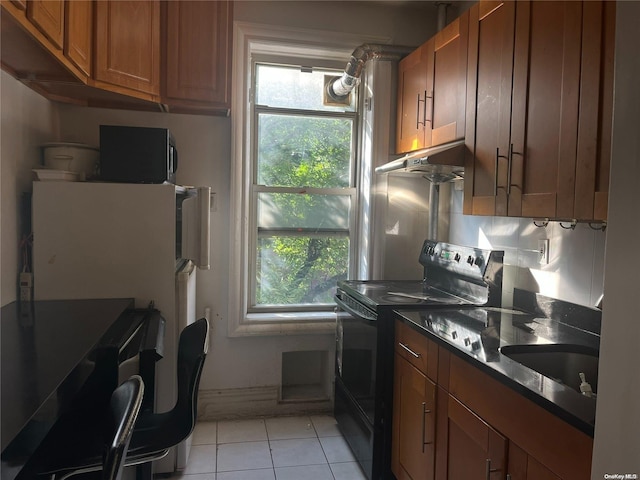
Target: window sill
[284,323]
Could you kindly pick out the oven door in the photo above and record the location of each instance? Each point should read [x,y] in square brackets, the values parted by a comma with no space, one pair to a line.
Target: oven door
[356,355]
[356,402]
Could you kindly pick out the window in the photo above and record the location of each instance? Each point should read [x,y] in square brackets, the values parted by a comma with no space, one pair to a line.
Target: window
[303,191]
[299,174]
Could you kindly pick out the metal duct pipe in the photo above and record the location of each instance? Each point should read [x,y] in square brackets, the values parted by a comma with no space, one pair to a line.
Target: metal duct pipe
[339,88]
[442,15]
[434,205]
[434,187]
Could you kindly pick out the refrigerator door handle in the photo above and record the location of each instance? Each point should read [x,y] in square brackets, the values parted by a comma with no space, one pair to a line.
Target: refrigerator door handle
[204,207]
[196,226]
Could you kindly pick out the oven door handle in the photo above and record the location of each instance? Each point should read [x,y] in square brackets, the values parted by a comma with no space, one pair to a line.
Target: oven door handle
[353,312]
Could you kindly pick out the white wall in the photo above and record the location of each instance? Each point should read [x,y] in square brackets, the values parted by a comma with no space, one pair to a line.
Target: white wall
[617,434]
[27,121]
[576,257]
[412,24]
[242,365]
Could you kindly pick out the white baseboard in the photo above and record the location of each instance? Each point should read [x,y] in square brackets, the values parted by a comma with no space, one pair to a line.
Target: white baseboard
[236,403]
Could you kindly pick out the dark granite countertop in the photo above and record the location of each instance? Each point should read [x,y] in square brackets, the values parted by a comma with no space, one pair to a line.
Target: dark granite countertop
[493,328]
[42,346]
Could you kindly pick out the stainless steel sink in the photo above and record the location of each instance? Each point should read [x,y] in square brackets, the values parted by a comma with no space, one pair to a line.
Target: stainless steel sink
[561,362]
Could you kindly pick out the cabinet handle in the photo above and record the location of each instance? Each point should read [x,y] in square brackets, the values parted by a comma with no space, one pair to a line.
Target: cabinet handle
[424,110]
[489,470]
[509,184]
[495,183]
[424,429]
[406,347]
[508,476]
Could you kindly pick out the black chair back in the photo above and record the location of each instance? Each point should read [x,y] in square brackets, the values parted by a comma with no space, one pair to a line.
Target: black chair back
[192,351]
[126,401]
[159,431]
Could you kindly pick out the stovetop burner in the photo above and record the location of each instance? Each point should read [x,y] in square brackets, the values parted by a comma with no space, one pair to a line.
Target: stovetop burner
[401,299]
[453,275]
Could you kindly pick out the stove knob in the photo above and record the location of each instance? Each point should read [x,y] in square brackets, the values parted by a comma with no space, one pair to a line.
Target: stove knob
[457,257]
[454,335]
[475,345]
[478,261]
[467,341]
[470,260]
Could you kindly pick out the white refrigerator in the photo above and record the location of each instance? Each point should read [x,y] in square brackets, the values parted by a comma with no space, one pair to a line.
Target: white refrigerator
[107,240]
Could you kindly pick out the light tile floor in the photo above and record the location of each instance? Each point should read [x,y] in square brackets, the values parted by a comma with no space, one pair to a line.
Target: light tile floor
[281,448]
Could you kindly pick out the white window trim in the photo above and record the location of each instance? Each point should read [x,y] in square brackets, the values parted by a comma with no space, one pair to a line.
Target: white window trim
[248,38]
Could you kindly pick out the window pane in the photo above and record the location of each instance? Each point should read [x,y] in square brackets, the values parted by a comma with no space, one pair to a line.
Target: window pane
[289,87]
[295,210]
[300,270]
[297,151]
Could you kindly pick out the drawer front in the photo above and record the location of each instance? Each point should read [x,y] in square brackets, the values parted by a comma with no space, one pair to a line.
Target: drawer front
[417,349]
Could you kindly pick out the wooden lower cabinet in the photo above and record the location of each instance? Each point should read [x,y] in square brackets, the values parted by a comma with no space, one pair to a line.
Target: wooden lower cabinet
[475,450]
[413,455]
[453,421]
[524,467]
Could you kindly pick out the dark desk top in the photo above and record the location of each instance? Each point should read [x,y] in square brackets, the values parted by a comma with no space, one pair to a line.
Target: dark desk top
[40,351]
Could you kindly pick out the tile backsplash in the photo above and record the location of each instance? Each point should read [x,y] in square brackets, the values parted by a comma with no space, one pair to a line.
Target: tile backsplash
[575,272]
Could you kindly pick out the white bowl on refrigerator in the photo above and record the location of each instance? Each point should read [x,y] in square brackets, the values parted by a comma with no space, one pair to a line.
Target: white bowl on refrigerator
[72,157]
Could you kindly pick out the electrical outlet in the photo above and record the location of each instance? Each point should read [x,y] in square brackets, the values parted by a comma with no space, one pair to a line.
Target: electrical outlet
[543,251]
[26,284]
[213,206]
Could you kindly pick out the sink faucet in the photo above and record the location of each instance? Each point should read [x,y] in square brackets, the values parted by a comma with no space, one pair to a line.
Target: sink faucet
[599,302]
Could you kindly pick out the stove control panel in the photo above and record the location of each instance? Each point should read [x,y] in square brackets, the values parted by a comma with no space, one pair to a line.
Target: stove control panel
[467,261]
[462,336]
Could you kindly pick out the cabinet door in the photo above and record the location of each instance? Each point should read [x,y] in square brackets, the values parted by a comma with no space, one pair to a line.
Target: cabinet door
[476,451]
[48,16]
[489,80]
[127,44]
[79,33]
[546,89]
[524,467]
[198,51]
[414,417]
[449,81]
[414,86]
[596,108]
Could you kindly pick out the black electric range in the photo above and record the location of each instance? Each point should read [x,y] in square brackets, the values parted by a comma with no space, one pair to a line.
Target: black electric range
[453,275]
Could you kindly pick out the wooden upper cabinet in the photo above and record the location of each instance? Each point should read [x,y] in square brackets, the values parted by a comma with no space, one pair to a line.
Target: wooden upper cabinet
[432,89]
[197,67]
[414,86]
[48,17]
[546,88]
[21,4]
[78,38]
[449,81]
[127,46]
[539,109]
[596,111]
[489,81]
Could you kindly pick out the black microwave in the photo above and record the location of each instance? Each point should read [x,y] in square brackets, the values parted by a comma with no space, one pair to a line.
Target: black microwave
[137,154]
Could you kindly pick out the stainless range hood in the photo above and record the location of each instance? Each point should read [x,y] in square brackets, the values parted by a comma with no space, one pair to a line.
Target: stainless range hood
[439,164]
